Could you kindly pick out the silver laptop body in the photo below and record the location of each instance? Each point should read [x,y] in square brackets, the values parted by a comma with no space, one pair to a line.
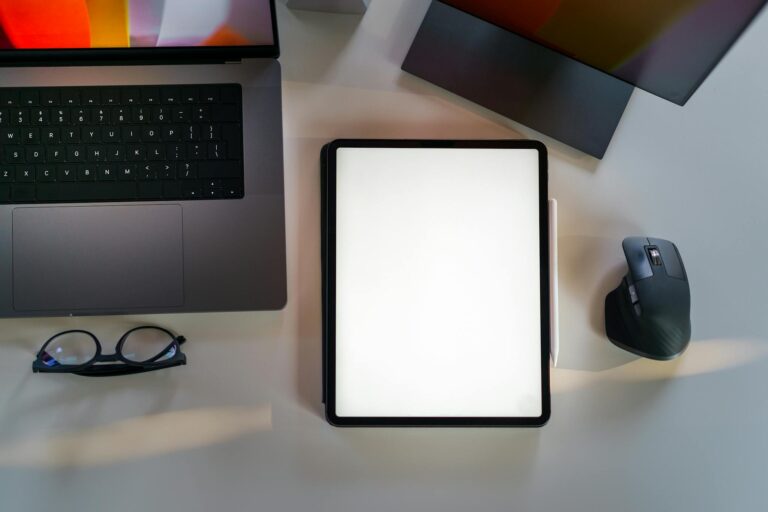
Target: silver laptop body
[155,256]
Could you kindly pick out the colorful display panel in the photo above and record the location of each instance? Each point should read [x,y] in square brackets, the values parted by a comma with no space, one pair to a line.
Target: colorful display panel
[665,46]
[80,24]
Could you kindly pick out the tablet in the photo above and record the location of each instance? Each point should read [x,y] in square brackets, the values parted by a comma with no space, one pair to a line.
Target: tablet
[435,283]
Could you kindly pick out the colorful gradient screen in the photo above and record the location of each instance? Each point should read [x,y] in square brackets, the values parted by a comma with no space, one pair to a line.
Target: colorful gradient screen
[82,24]
[667,47]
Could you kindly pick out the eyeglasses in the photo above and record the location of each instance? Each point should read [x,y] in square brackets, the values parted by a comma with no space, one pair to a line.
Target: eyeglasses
[142,349]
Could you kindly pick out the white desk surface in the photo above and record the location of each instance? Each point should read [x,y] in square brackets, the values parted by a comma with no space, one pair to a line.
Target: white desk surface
[240,428]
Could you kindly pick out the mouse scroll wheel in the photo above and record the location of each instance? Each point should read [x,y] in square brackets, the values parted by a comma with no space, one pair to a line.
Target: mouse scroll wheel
[655,256]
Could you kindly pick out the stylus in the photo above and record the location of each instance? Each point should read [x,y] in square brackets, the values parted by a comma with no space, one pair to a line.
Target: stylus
[554,316]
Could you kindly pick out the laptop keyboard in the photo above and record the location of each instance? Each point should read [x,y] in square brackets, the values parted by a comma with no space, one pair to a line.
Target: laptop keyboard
[133,143]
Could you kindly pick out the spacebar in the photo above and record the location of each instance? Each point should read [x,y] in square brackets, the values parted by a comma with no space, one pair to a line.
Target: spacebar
[107,191]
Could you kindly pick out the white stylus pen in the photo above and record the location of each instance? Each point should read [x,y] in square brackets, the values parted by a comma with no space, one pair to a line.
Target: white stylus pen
[554,318]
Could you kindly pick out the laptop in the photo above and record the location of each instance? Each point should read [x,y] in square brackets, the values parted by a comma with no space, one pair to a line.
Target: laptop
[141,157]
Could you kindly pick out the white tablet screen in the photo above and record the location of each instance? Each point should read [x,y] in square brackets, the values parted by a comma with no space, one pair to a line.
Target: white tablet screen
[437,283]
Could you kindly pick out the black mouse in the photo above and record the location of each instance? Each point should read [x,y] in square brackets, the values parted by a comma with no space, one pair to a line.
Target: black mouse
[649,313]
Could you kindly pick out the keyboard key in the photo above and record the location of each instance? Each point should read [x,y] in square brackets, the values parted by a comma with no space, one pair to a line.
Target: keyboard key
[226,114]
[56,154]
[7,174]
[156,151]
[176,151]
[115,153]
[171,190]
[188,170]
[5,193]
[150,95]
[231,94]
[20,116]
[107,173]
[170,95]
[75,154]
[29,98]
[97,153]
[131,96]
[150,190]
[126,172]
[110,134]
[192,133]
[131,134]
[149,171]
[191,190]
[25,174]
[223,169]
[9,97]
[66,172]
[168,171]
[39,116]
[91,97]
[209,94]
[90,134]
[48,192]
[211,132]
[70,97]
[13,154]
[35,154]
[196,151]
[71,134]
[45,173]
[86,172]
[59,116]
[161,115]
[50,97]
[233,134]
[137,153]
[189,95]
[181,115]
[121,115]
[150,133]
[140,115]
[110,96]
[10,136]
[31,135]
[100,115]
[171,133]
[233,192]
[201,114]
[217,150]
[50,136]
[23,192]
[80,116]
[213,193]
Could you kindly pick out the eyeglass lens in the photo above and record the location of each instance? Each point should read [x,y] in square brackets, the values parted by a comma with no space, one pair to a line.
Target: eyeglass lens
[143,345]
[74,348]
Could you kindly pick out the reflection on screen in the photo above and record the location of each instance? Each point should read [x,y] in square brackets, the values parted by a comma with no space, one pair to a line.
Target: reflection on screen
[57,24]
[665,46]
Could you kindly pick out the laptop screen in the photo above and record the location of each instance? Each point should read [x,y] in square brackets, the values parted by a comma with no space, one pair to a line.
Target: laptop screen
[51,25]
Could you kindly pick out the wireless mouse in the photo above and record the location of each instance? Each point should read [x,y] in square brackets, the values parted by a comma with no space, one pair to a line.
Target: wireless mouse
[649,313]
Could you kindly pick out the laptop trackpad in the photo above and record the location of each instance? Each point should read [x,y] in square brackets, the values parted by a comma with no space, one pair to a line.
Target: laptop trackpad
[104,258]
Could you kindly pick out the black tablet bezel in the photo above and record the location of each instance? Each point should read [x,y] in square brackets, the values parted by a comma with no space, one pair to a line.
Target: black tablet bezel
[328,220]
[146,55]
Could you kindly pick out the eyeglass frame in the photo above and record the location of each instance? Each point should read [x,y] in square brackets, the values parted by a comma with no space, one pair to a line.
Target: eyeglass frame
[91,369]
